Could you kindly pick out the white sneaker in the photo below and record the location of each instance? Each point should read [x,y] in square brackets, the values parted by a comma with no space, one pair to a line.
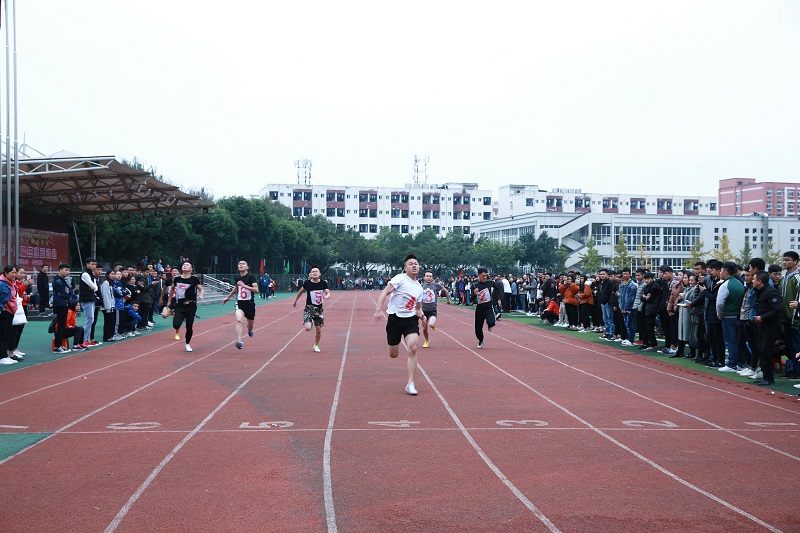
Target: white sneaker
[188,348]
[8,361]
[758,375]
[726,369]
[150,324]
[797,386]
[17,352]
[627,343]
[480,345]
[410,389]
[130,334]
[747,372]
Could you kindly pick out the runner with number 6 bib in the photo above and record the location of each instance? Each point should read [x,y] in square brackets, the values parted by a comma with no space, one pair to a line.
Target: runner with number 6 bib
[245,286]
[316,292]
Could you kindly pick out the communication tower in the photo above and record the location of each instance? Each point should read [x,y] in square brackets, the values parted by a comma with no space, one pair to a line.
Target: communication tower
[420,176]
[303,167]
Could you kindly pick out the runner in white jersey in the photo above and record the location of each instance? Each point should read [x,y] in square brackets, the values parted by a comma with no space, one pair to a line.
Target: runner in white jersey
[245,285]
[430,293]
[316,292]
[405,310]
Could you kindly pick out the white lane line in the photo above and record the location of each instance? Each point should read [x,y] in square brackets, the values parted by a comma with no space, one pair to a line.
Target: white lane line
[147,482]
[493,467]
[657,402]
[121,398]
[330,511]
[611,439]
[556,337]
[497,472]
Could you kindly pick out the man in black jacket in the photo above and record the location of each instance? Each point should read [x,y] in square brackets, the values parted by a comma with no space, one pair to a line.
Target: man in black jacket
[768,320]
[43,287]
[651,296]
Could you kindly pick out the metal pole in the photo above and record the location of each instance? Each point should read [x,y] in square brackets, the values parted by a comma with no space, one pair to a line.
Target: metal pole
[16,143]
[9,260]
[2,241]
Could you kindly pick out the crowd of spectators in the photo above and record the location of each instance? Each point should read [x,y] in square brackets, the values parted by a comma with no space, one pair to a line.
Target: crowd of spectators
[126,296]
[735,318]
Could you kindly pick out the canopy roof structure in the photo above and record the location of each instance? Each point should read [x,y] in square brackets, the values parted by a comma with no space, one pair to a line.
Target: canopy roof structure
[89,186]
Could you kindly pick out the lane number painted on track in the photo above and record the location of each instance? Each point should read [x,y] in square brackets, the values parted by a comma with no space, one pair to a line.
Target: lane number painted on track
[640,423]
[394,424]
[133,425]
[267,425]
[767,424]
[509,423]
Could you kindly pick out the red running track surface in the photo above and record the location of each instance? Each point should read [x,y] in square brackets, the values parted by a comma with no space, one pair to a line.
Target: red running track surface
[535,432]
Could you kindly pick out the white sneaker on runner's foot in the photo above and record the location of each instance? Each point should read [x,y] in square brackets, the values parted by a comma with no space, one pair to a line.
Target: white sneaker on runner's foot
[188,348]
[410,389]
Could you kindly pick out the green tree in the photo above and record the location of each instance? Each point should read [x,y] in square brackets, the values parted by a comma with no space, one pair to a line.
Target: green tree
[696,254]
[771,256]
[540,253]
[645,260]
[621,257]
[723,253]
[497,257]
[590,259]
[745,256]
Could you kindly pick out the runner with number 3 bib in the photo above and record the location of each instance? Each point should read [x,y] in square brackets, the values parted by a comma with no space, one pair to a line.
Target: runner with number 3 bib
[430,293]
[316,292]
[245,285]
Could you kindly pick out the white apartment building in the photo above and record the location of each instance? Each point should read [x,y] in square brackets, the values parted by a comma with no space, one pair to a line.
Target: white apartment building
[650,238]
[410,209]
[513,200]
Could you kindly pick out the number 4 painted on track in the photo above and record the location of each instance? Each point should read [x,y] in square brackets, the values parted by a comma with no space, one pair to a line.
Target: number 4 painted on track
[267,425]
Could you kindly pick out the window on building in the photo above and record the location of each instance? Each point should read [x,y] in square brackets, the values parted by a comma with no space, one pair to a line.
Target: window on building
[340,211]
[487,216]
[273,195]
[487,200]
[340,196]
[769,206]
[297,196]
[712,206]
[306,211]
[529,202]
[373,197]
[373,228]
[307,196]
[297,211]
[395,213]
[769,193]
[403,229]
[395,199]
[362,228]
[331,212]
[373,213]
[363,212]
[404,199]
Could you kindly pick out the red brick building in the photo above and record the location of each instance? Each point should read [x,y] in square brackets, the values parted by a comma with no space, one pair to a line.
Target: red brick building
[745,196]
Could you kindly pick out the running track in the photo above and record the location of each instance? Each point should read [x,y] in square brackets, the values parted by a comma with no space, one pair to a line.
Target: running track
[536,432]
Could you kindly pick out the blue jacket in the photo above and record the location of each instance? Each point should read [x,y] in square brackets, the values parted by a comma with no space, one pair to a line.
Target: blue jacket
[61,292]
[627,294]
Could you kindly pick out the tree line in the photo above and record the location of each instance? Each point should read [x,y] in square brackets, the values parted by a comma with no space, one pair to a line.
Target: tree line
[252,229]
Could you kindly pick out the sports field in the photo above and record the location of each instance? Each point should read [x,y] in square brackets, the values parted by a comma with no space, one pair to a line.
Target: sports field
[538,431]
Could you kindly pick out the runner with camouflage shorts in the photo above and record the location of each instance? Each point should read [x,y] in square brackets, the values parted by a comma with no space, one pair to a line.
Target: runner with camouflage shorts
[430,291]
[316,292]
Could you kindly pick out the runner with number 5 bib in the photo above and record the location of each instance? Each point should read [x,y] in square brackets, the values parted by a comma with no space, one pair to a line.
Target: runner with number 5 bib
[245,285]
[316,292]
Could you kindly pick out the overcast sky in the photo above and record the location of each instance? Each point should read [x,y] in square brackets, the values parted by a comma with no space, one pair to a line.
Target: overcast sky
[656,97]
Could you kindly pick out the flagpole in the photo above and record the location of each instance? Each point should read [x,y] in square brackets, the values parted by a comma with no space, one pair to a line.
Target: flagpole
[8,139]
[16,143]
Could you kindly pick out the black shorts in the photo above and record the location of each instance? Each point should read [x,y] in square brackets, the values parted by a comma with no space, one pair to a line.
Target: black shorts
[430,313]
[248,307]
[399,327]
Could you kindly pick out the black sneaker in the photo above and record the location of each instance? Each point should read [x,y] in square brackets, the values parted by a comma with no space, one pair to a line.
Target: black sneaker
[763,382]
